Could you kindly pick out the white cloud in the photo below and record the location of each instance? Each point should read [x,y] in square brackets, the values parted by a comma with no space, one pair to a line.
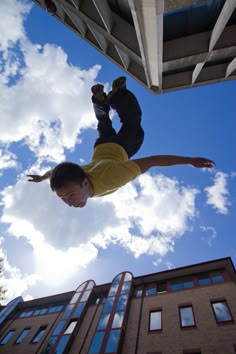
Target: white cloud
[11,26]
[211,234]
[7,159]
[217,195]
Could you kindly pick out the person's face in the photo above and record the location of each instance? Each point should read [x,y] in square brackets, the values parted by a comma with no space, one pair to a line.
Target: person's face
[74,194]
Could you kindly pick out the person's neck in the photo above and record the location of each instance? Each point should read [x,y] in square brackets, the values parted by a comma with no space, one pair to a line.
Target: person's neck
[91,189]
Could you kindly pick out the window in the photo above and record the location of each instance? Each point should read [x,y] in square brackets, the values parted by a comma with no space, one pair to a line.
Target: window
[138,292]
[155,320]
[221,311]
[39,334]
[204,280]
[152,290]
[113,340]
[186,316]
[71,327]
[97,342]
[7,336]
[22,335]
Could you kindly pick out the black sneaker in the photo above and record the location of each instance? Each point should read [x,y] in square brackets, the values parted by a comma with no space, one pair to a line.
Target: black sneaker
[98,93]
[118,84]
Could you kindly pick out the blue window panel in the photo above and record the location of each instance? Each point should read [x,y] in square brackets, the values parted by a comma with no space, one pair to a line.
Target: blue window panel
[59,327]
[7,337]
[103,321]
[204,281]
[125,287]
[96,343]
[221,311]
[22,336]
[138,293]
[113,290]
[108,304]
[43,311]
[217,279]
[67,311]
[78,310]
[28,313]
[55,309]
[62,344]
[122,302]
[151,291]
[176,286]
[118,319]
[39,335]
[113,340]
[188,284]
[36,312]
[50,343]
[22,314]
[117,279]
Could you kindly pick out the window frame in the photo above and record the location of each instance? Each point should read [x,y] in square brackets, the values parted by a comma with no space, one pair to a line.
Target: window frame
[228,308]
[13,331]
[180,318]
[41,328]
[21,333]
[157,310]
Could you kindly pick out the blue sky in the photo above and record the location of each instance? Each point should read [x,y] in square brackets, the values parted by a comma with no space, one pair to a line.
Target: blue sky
[169,217]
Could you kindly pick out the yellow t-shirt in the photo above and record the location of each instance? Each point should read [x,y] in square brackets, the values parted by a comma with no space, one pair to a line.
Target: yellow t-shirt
[110,169]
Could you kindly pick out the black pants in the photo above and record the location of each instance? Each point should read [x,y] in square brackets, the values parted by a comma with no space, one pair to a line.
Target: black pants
[131,134]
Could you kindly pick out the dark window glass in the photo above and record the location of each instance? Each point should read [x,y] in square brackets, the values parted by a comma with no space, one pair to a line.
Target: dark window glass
[78,310]
[155,320]
[161,287]
[61,345]
[118,319]
[28,313]
[122,302]
[7,337]
[186,316]
[22,335]
[55,309]
[103,321]
[108,305]
[125,287]
[221,311]
[59,327]
[39,335]
[36,313]
[43,311]
[67,311]
[204,281]
[50,343]
[96,343]
[112,342]
[217,279]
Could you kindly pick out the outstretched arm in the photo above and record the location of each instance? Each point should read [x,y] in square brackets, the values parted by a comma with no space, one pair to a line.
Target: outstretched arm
[169,160]
[39,178]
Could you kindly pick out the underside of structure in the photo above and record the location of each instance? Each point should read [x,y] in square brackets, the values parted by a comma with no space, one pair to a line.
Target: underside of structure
[166,45]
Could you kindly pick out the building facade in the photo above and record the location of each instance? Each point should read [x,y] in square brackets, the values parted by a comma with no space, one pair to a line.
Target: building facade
[166,45]
[180,311]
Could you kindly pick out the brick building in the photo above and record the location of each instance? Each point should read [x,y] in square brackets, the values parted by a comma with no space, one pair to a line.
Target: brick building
[180,311]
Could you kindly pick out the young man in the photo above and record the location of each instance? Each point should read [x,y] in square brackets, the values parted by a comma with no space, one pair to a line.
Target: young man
[111,166]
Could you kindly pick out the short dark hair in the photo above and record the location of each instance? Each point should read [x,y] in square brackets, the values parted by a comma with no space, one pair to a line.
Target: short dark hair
[66,172]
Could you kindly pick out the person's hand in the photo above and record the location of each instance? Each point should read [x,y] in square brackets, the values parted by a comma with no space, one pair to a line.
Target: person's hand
[201,162]
[35,178]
